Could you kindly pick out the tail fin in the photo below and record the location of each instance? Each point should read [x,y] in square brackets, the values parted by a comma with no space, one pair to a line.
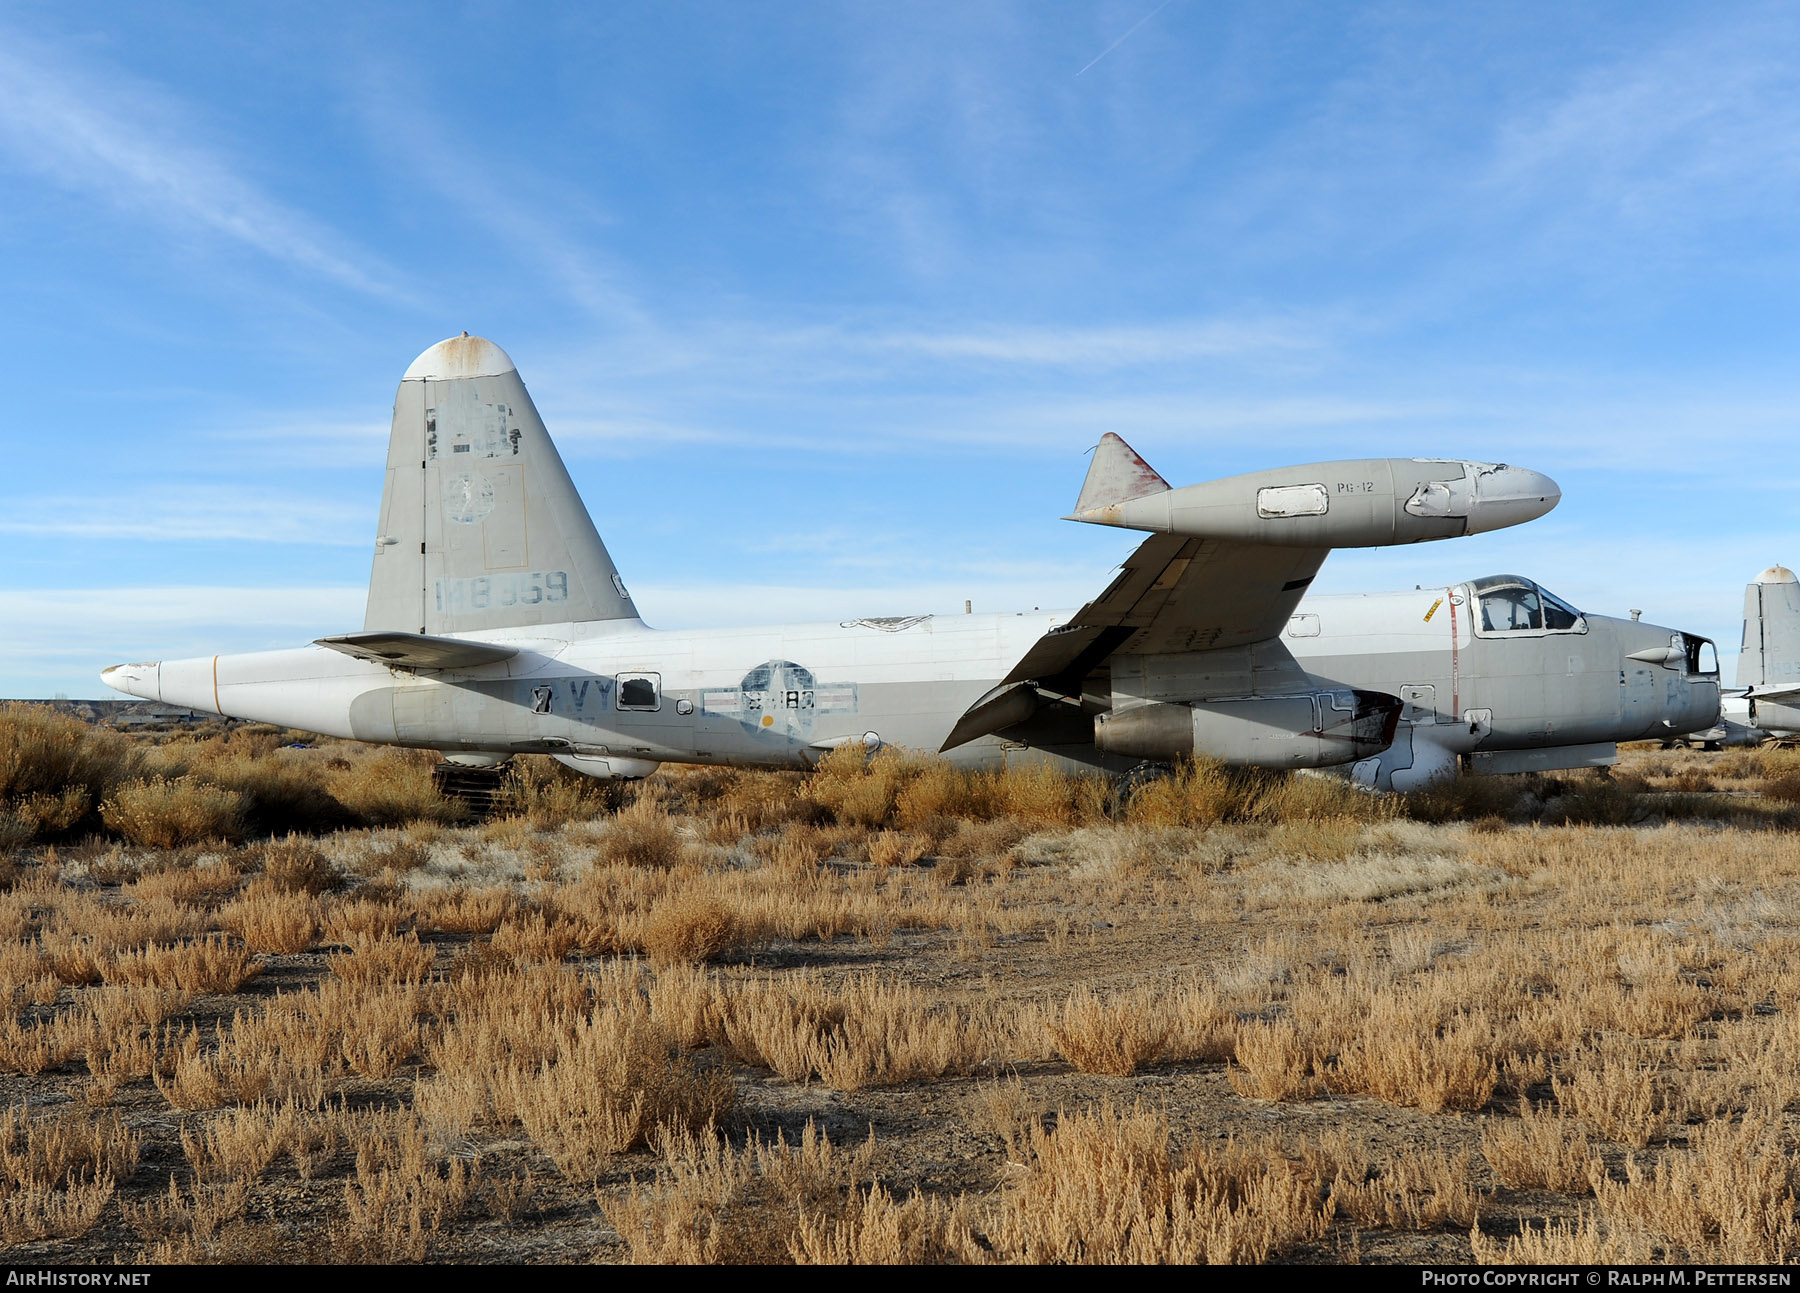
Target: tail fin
[1771,655]
[481,527]
[1116,475]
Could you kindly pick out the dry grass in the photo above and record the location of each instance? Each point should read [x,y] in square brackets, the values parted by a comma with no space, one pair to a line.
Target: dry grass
[378,959]
[168,813]
[1111,1035]
[900,788]
[769,1202]
[59,1173]
[1614,1093]
[1109,1188]
[466,912]
[1540,1149]
[867,1032]
[53,769]
[390,787]
[1577,1242]
[274,920]
[1271,1062]
[688,928]
[401,1196]
[642,836]
[295,865]
[1729,1199]
[533,936]
[549,795]
[1417,1189]
[483,1033]
[612,1082]
[210,964]
[1407,1059]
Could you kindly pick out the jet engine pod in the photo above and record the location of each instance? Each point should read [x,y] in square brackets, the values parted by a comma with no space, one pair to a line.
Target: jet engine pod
[1318,729]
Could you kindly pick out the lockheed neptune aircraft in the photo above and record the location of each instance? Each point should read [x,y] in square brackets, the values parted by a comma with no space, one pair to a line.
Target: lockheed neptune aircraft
[498,624]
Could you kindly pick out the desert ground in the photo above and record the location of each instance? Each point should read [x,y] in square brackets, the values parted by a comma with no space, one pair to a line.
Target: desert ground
[273,999]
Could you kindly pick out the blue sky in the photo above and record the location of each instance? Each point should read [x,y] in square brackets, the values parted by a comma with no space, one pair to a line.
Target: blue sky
[825,303]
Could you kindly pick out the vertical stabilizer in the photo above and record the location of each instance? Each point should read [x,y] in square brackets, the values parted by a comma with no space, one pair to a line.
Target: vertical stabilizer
[481,527]
[1117,475]
[1771,654]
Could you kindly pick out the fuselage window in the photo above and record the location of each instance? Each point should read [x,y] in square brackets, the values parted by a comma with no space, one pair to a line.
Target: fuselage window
[639,691]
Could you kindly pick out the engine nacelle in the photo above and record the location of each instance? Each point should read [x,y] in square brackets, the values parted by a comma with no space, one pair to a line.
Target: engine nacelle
[1310,730]
[608,767]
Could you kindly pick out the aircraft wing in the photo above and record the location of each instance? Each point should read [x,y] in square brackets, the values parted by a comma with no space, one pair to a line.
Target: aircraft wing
[1175,594]
[1227,561]
[417,650]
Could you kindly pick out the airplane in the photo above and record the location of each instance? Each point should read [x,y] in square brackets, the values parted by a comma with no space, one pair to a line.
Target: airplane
[497,624]
[1765,704]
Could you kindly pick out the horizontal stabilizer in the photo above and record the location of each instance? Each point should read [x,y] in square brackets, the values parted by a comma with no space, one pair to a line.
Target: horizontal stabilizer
[417,651]
[1117,475]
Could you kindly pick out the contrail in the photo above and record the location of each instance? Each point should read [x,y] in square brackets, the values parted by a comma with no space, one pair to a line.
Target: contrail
[1127,36]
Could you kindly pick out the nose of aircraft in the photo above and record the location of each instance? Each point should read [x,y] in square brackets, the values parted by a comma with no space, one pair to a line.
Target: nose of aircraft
[1510,496]
[135,679]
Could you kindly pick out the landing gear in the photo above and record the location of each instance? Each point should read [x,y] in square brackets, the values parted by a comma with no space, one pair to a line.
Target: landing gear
[1134,780]
[482,788]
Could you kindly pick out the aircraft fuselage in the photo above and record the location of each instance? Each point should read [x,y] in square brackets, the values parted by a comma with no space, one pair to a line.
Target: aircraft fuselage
[617,697]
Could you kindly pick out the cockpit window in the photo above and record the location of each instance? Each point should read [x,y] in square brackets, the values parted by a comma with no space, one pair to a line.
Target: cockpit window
[1513,604]
[1509,609]
[1701,657]
[1559,616]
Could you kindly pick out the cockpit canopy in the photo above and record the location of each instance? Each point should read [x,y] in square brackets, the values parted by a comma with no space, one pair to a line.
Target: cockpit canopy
[1514,604]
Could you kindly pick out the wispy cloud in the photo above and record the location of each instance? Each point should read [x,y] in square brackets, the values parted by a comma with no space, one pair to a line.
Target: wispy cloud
[1699,122]
[60,639]
[509,201]
[1104,347]
[98,132]
[190,513]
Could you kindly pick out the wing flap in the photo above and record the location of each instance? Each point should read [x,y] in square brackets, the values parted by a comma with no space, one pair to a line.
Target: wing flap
[417,650]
